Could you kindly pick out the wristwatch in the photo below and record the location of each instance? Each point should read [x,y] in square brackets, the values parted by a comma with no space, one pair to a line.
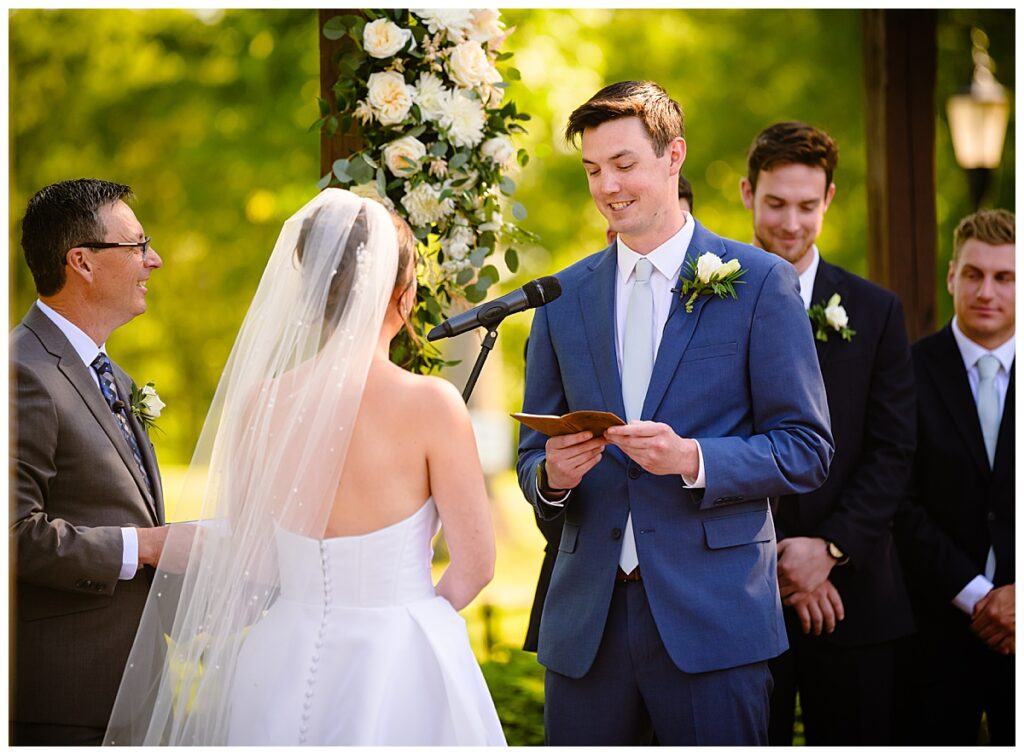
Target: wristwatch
[542,480]
[836,552]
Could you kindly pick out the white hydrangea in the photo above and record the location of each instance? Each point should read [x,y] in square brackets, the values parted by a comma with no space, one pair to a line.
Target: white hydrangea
[430,94]
[389,96]
[458,243]
[425,206]
[463,118]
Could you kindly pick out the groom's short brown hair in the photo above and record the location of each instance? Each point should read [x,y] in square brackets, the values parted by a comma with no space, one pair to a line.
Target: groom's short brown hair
[661,115]
[792,142]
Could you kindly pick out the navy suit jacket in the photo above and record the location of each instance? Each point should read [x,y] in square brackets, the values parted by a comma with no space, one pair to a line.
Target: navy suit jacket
[740,376]
[870,385]
[958,506]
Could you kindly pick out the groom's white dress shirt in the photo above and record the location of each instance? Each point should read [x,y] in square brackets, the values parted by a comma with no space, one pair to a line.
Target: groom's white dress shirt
[971,352]
[87,351]
[667,261]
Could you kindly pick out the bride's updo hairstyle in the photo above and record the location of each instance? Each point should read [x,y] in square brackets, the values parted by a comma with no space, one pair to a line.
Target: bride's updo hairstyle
[343,276]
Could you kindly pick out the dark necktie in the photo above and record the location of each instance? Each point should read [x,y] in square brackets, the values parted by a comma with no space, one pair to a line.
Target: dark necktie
[106,374]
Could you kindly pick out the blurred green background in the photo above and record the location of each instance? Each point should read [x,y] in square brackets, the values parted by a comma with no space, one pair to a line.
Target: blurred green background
[205,113]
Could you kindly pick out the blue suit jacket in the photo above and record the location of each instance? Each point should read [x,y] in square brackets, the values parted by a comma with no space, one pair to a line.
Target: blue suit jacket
[739,375]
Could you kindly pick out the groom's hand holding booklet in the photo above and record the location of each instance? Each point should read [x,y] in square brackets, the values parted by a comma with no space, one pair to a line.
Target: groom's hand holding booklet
[573,422]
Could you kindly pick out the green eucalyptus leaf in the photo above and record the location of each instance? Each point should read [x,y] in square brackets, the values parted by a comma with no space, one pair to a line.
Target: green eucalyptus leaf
[324,182]
[507,186]
[475,295]
[335,28]
[513,74]
[489,274]
[458,160]
[511,260]
[478,255]
[340,170]
[464,277]
[518,211]
[438,149]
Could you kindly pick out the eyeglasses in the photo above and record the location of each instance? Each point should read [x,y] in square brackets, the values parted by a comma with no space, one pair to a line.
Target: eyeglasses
[143,245]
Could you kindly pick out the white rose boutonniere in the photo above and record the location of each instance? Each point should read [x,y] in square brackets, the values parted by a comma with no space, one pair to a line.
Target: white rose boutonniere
[383,38]
[709,275]
[830,315]
[146,405]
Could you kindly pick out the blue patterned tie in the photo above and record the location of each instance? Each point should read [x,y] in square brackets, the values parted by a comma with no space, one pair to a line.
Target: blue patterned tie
[106,374]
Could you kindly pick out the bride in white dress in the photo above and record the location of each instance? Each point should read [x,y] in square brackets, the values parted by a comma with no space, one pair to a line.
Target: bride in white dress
[302,610]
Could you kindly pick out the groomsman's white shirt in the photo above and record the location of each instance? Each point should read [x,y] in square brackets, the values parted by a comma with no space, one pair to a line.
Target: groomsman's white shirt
[667,260]
[87,352]
[971,352]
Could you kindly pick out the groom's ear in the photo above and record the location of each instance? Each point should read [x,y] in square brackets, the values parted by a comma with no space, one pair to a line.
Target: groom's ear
[677,154]
[747,193]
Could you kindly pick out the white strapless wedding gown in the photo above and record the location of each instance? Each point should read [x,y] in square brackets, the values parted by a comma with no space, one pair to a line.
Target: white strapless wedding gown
[359,649]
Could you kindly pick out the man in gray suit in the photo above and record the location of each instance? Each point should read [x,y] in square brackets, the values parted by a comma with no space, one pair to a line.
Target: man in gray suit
[87,506]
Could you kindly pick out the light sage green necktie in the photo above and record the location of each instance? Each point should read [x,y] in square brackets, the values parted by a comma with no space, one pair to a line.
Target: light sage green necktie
[988,416]
[637,363]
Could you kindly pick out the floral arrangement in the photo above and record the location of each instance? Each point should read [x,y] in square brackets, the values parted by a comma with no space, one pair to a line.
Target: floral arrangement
[830,316]
[709,275]
[424,90]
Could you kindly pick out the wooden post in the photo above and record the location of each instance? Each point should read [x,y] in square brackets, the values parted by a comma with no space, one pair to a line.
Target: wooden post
[340,145]
[900,60]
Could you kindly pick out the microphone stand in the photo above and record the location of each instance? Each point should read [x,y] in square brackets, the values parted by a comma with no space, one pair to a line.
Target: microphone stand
[485,351]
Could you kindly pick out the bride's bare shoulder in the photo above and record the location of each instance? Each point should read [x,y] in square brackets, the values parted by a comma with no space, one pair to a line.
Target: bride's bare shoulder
[428,394]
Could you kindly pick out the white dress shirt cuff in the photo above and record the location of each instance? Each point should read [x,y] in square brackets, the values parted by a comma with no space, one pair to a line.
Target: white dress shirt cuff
[560,502]
[699,482]
[976,589]
[130,554]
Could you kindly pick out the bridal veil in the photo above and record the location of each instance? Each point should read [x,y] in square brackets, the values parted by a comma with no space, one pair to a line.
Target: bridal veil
[270,455]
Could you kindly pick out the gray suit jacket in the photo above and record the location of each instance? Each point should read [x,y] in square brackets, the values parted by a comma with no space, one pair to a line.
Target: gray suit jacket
[74,485]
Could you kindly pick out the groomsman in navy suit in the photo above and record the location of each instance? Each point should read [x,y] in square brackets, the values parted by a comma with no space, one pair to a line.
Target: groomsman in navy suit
[840,578]
[956,531]
[664,607]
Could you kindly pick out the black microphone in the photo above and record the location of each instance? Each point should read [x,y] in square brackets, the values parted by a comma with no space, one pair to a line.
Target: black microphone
[536,293]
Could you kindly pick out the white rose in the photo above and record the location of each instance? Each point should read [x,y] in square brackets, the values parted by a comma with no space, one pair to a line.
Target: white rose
[463,119]
[369,191]
[455,23]
[707,265]
[151,403]
[382,38]
[458,242]
[430,96]
[500,150]
[425,206]
[403,156]
[487,25]
[835,314]
[389,96]
[469,66]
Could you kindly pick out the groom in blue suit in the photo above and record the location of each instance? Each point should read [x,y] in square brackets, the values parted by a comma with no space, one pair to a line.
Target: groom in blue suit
[664,607]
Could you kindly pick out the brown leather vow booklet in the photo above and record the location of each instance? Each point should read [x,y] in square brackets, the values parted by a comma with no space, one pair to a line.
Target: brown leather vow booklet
[567,424]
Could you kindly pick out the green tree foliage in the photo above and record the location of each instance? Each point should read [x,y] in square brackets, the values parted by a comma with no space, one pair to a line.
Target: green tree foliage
[205,114]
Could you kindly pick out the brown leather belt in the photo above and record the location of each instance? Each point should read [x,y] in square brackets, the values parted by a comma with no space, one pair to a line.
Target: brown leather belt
[633,576]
